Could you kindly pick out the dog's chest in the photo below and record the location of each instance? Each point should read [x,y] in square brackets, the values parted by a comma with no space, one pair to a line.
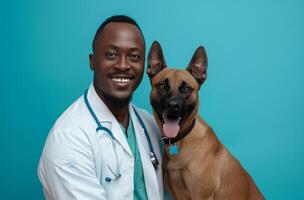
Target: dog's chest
[176,170]
[178,180]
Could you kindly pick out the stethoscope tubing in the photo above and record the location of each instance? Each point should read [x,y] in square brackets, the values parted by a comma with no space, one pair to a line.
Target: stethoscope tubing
[110,134]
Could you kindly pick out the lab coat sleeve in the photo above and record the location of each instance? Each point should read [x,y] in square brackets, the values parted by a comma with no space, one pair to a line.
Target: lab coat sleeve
[66,168]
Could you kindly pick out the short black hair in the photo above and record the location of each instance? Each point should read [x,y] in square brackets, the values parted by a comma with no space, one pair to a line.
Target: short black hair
[115,18]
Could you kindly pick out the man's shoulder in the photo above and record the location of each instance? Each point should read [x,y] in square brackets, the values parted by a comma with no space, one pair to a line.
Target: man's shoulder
[74,114]
[71,126]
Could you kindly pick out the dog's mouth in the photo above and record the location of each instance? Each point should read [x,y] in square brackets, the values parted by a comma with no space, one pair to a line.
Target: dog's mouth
[171,126]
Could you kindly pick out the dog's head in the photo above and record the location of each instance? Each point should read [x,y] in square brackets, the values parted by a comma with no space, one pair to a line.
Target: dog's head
[174,95]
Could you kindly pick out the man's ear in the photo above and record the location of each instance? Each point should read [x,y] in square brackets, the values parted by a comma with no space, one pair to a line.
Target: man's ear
[156,60]
[198,65]
[91,60]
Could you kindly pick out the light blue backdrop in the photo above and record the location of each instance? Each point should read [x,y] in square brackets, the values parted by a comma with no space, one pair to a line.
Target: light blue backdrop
[253,97]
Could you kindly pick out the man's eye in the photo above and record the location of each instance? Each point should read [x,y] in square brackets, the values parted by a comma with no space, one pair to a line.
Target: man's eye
[134,58]
[111,55]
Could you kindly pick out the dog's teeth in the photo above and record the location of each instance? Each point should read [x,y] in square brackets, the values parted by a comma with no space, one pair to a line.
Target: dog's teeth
[170,120]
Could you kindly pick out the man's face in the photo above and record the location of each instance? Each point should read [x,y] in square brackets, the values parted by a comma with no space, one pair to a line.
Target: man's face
[118,61]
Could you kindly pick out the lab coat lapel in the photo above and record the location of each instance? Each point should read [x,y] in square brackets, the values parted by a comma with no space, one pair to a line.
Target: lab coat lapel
[105,116]
[148,169]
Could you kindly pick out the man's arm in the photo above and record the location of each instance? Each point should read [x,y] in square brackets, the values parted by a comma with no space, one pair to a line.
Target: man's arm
[66,168]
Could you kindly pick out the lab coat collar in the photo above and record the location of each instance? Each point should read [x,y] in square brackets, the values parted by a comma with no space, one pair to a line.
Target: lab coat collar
[106,118]
[144,149]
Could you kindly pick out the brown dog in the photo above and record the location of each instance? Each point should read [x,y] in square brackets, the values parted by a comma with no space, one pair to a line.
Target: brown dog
[196,165]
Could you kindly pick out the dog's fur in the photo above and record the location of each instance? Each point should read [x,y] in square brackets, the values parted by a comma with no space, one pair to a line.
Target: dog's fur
[203,167]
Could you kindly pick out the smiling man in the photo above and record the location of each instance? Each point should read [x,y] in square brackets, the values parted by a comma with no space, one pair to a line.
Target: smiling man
[102,146]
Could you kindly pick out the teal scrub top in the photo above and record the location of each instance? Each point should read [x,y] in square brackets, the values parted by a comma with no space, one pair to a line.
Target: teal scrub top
[140,192]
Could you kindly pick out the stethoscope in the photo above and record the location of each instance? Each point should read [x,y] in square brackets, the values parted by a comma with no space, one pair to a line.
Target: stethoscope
[117,174]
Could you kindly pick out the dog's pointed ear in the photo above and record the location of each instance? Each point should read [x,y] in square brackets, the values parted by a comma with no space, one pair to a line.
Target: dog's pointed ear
[198,65]
[156,60]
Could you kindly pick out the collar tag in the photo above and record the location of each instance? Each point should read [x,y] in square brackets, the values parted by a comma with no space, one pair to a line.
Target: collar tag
[173,149]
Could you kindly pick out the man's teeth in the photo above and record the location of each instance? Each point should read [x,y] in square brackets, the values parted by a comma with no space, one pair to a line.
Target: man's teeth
[121,80]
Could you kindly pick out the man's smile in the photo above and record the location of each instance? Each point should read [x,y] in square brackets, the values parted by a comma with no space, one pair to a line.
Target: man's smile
[122,79]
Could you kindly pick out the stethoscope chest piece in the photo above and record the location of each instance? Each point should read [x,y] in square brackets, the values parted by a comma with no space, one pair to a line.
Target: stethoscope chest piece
[154,160]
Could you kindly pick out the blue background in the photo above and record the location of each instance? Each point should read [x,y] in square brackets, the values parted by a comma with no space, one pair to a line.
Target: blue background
[253,97]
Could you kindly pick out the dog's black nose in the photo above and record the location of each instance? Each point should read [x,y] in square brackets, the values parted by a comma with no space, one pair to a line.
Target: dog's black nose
[173,105]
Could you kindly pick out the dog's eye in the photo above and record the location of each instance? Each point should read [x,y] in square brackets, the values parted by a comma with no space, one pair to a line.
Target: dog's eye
[186,89]
[162,86]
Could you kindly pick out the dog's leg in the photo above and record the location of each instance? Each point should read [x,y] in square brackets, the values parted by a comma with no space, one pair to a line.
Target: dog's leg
[177,186]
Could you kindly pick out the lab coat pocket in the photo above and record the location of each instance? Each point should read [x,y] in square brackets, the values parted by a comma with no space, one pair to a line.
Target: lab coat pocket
[112,169]
[108,148]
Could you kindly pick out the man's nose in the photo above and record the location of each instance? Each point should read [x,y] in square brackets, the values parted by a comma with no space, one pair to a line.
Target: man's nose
[123,63]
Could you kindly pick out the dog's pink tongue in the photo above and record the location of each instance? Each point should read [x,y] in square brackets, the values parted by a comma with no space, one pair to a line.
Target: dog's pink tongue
[171,129]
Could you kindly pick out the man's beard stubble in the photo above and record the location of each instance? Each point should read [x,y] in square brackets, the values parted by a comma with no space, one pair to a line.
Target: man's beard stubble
[113,101]
[116,102]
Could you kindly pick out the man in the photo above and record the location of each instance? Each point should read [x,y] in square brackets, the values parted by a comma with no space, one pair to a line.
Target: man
[101,147]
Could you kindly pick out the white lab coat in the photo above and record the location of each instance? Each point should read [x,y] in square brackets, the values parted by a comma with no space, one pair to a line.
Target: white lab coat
[73,164]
